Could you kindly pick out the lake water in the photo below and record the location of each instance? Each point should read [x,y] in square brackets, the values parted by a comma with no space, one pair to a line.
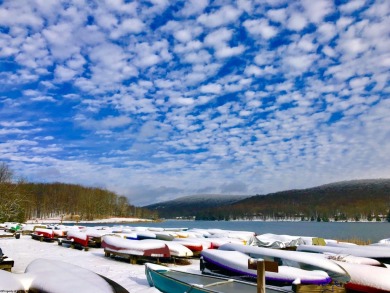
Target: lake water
[371,231]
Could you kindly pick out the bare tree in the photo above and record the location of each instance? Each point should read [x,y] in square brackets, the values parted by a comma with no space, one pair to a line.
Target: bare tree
[5,173]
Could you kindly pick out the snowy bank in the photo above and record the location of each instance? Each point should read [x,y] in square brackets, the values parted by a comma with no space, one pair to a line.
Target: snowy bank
[57,220]
[131,277]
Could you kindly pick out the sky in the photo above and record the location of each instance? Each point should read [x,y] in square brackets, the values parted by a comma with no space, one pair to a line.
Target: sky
[160,99]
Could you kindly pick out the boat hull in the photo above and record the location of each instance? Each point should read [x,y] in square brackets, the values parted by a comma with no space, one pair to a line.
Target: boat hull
[170,281]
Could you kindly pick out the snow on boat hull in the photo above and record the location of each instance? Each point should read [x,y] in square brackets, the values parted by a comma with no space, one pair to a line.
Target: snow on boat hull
[135,247]
[78,237]
[175,248]
[172,281]
[234,263]
[56,276]
[42,233]
[303,260]
[380,253]
[365,278]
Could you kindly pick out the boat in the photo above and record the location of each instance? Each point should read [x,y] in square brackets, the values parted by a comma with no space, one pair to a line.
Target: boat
[173,281]
[194,244]
[235,264]
[380,253]
[175,248]
[366,278]
[43,234]
[43,275]
[78,237]
[134,249]
[298,259]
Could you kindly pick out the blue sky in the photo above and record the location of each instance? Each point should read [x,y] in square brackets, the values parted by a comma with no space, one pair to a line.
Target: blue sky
[160,99]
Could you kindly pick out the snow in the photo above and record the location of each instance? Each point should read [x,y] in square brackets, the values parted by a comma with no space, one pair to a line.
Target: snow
[108,220]
[131,277]
[370,276]
[46,275]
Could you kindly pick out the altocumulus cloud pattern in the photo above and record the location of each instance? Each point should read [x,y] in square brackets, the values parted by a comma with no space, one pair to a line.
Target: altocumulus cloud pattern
[158,99]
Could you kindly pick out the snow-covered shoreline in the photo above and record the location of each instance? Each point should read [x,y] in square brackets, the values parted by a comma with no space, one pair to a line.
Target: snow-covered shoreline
[132,277]
[57,220]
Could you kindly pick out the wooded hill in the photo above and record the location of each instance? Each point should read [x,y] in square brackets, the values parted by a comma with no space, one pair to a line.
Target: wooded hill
[184,207]
[21,201]
[349,200]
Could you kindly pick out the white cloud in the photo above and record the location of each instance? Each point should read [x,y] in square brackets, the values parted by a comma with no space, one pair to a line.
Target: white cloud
[43,99]
[353,46]
[193,7]
[183,35]
[108,123]
[63,73]
[182,101]
[278,15]
[352,5]
[318,9]
[260,27]
[218,37]
[297,22]
[225,15]
[226,52]
[211,88]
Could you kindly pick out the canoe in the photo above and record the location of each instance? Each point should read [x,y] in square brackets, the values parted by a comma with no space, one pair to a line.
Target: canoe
[47,234]
[365,278]
[164,235]
[353,259]
[380,253]
[172,281]
[195,244]
[44,275]
[78,237]
[175,248]
[135,247]
[298,259]
[234,263]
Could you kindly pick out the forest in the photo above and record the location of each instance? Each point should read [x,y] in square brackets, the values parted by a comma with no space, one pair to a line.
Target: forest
[356,200]
[22,200]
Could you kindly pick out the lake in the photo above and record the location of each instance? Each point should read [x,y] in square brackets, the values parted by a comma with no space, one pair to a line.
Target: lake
[371,231]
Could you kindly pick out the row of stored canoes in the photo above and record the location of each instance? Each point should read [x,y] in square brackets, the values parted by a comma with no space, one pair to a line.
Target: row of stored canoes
[361,268]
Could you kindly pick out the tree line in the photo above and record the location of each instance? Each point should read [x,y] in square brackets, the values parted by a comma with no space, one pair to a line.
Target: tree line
[367,200]
[23,200]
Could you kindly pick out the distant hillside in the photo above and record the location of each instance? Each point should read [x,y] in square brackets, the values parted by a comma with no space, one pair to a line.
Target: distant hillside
[357,199]
[187,206]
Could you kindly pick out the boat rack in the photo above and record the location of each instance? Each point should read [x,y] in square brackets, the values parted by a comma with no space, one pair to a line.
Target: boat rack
[10,235]
[6,263]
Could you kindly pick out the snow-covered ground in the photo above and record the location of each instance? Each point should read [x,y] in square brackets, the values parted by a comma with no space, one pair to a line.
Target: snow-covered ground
[131,277]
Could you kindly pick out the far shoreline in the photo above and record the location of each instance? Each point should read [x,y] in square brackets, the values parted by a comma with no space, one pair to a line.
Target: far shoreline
[99,221]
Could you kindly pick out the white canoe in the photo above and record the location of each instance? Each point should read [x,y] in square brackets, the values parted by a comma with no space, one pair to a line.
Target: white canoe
[235,263]
[380,253]
[303,260]
[56,276]
[366,278]
[352,259]
[135,247]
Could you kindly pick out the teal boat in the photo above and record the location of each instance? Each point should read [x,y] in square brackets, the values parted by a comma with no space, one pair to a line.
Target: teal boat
[172,281]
